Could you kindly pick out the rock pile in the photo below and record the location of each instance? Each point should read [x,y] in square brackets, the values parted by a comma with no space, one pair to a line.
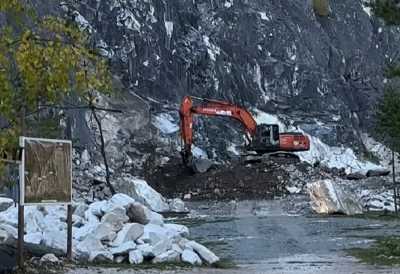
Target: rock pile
[117,230]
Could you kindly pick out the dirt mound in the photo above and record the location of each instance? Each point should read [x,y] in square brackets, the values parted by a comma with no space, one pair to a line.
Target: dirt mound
[241,181]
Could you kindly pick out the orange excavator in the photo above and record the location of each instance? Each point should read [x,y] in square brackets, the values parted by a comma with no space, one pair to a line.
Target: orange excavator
[263,138]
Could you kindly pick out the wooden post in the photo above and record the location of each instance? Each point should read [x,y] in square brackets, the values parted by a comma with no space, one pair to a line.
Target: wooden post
[394,182]
[21,219]
[69,238]
[69,207]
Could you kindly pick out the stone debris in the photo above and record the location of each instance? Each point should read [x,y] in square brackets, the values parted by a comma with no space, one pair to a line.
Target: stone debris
[50,259]
[117,230]
[5,203]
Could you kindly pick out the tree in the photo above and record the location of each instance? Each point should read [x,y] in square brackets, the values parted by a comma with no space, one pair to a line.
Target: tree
[389,109]
[43,61]
[389,118]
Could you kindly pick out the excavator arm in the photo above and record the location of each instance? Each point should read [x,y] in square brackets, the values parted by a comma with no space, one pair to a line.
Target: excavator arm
[263,138]
[210,108]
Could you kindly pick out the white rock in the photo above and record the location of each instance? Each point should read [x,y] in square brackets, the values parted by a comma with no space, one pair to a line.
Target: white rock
[178,206]
[118,200]
[105,232]
[123,248]
[85,157]
[176,229]
[10,230]
[167,256]
[34,238]
[161,246]
[88,245]
[150,197]
[203,252]
[82,232]
[293,190]
[5,203]
[55,239]
[101,257]
[130,232]
[328,197]
[190,257]
[154,233]
[95,209]
[146,250]
[115,218]
[135,257]
[80,209]
[9,216]
[50,258]
[119,259]
[33,221]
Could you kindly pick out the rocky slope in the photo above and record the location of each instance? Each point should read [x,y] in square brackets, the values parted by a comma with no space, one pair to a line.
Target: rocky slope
[320,74]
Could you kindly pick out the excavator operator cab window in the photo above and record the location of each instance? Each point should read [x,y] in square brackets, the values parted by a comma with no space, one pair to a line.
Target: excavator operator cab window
[268,135]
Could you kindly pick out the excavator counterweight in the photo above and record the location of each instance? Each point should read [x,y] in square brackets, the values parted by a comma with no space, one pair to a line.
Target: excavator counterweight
[263,138]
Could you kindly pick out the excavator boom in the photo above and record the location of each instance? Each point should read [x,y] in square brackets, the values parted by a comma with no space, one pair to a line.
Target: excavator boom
[262,138]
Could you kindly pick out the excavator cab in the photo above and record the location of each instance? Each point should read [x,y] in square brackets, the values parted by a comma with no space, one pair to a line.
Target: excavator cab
[266,139]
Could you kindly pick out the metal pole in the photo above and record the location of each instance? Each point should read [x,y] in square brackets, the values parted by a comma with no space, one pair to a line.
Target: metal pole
[394,183]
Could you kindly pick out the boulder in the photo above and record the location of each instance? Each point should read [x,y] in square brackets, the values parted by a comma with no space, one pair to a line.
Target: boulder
[116,218]
[190,257]
[88,245]
[119,259]
[201,165]
[356,176]
[123,249]
[327,197]
[154,233]
[55,239]
[34,238]
[50,259]
[136,214]
[293,189]
[9,216]
[146,250]
[101,257]
[176,229]
[161,246]
[203,252]
[5,203]
[135,257]
[130,232]
[118,200]
[80,209]
[145,194]
[377,172]
[178,206]
[96,209]
[82,232]
[105,232]
[169,256]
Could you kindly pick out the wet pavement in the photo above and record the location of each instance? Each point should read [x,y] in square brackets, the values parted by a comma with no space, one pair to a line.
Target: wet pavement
[261,237]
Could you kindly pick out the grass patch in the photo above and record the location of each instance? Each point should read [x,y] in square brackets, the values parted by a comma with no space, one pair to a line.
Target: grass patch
[386,251]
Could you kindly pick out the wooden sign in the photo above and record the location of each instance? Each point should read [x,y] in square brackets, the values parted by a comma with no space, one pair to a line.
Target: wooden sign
[46,171]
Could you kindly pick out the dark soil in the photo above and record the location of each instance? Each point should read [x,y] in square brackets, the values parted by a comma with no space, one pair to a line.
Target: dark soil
[241,181]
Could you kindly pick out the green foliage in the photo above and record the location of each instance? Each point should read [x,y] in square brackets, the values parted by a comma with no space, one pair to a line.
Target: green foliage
[321,7]
[389,118]
[385,251]
[41,63]
[389,10]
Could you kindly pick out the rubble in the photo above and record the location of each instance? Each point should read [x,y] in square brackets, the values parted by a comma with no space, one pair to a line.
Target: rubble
[108,233]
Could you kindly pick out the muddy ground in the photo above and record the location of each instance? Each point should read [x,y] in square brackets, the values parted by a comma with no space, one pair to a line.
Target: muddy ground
[242,181]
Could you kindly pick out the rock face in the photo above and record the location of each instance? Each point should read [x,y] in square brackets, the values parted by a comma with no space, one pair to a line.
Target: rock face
[5,203]
[327,197]
[319,73]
